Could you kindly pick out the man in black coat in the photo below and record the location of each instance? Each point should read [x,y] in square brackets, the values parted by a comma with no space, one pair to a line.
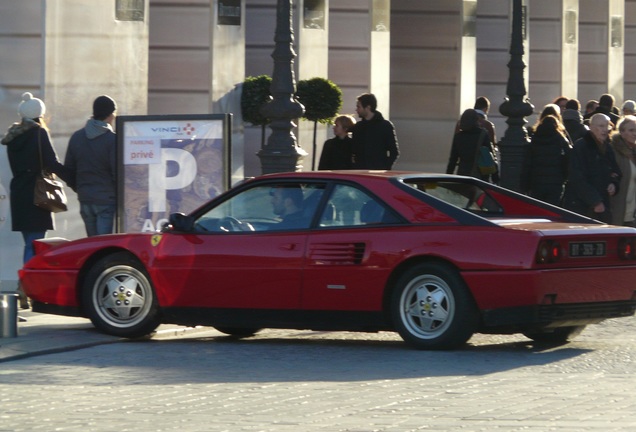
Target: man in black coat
[375,145]
[593,175]
[605,106]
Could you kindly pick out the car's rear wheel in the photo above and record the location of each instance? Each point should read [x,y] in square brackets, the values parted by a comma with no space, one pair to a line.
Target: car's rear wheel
[238,332]
[559,335]
[432,308]
[119,298]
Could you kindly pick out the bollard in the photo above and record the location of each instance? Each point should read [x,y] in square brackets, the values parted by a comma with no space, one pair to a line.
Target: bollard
[8,315]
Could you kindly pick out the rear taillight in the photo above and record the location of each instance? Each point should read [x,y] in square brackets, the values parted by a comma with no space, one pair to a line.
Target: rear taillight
[627,248]
[549,252]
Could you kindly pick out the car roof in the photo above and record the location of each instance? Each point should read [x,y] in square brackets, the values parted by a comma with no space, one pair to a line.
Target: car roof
[358,174]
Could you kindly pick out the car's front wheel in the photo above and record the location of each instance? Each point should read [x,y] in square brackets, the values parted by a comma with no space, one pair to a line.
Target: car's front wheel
[432,308]
[119,298]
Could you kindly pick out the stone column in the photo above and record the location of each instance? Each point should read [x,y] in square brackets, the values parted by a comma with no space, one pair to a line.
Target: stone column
[468,56]
[313,61]
[90,49]
[94,48]
[570,48]
[380,53]
[227,66]
[616,50]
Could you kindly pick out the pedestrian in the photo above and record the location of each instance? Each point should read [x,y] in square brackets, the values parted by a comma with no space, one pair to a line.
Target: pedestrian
[466,144]
[91,156]
[545,164]
[628,108]
[560,101]
[549,109]
[623,204]
[482,106]
[25,142]
[605,106]
[336,152]
[593,174]
[375,145]
[590,107]
[573,120]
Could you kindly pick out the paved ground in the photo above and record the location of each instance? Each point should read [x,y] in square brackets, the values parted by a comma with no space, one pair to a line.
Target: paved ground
[199,380]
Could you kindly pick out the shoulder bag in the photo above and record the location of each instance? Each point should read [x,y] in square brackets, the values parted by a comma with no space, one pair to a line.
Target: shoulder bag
[484,159]
[49,191]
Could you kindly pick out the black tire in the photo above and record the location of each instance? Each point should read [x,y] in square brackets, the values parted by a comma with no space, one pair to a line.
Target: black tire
[431,307]
[559,335]
[238,332]
[119,298]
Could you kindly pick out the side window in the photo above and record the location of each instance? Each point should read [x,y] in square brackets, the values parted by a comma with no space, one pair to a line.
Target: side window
[275,206]
[349,206]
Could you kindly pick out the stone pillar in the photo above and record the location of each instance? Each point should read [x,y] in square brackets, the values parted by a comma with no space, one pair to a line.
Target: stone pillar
[90,49]
[227,66]
[468,56]
[616,50]
[380,53]
[94,48]
[570,48]
[313,61]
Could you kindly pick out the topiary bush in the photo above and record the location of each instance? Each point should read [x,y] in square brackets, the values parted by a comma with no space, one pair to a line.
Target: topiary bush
[255,94]
[322,100]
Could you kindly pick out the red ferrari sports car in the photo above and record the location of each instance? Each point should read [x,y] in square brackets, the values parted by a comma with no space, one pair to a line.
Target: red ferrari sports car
[433,257]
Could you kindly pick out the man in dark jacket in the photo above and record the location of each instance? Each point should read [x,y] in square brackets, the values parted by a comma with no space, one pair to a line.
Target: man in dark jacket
[605,106]
[594,175]
[573,120]
[92,157]
[375,145]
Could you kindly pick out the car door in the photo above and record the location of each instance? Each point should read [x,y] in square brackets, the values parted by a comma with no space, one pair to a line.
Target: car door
[241,254]
[349,254]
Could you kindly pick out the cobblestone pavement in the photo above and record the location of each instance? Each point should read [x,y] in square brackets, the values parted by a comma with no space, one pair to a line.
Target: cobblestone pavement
[299,381]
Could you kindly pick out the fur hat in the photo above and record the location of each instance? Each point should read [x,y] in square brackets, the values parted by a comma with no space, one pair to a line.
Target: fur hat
[103,106]
[31,107]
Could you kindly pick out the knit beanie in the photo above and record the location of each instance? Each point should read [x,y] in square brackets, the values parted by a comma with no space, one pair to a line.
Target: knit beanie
[103,107]
[31,107]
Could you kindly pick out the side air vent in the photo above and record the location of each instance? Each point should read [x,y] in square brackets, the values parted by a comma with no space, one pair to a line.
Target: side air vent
[336,253]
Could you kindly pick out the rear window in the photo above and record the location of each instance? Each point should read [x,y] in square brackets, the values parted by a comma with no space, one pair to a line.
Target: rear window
[466,196]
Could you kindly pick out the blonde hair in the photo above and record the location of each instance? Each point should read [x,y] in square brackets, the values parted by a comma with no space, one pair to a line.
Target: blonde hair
[345,121]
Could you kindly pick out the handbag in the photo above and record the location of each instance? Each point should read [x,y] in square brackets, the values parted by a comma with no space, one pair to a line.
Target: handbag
[49,191]
[484,159]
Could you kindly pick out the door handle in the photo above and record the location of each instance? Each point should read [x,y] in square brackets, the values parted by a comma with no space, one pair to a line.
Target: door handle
[288,246]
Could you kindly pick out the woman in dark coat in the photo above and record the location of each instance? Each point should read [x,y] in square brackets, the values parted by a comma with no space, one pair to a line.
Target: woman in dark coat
[336,152]
[545,165]
[464,148]
[23,154]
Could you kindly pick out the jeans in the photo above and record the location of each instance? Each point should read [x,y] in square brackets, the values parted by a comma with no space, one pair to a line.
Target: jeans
[28,237]
[98,218]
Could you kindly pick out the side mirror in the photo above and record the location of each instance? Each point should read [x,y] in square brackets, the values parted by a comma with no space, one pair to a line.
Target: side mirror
[179,222]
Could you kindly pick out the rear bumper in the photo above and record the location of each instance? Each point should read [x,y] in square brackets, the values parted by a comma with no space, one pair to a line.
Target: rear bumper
[546,316]
[553,288]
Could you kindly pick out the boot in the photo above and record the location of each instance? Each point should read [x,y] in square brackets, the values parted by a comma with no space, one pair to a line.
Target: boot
[22,298]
